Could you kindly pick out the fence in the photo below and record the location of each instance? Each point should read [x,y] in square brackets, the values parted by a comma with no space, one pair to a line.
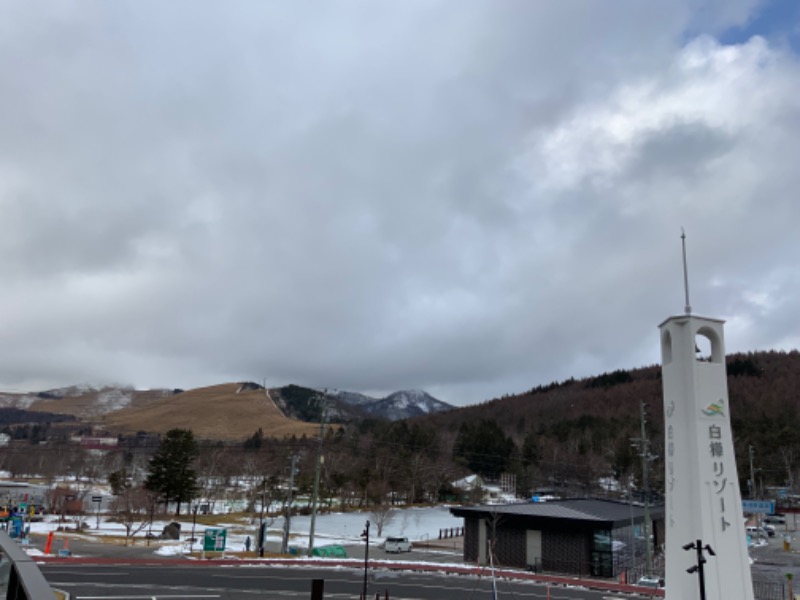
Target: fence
[615,570]
[451,532]
[769,590]
[20,578]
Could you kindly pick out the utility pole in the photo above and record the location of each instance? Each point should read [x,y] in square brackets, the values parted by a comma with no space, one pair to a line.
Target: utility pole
[288,511]
[644,454]
[633,529]
[752,474]
[317,469]
[194,524]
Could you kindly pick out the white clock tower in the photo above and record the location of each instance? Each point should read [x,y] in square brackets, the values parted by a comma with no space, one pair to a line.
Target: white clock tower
[703,501]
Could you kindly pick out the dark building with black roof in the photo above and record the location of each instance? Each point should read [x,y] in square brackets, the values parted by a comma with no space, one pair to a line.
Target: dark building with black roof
[579,536]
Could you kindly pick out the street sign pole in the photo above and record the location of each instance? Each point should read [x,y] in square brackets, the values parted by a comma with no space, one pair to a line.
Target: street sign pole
[97,500]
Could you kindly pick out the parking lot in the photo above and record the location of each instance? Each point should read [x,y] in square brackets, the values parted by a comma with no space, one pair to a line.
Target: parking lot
[778,555]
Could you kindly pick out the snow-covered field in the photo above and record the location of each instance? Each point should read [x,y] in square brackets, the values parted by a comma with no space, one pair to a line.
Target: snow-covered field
[417,524]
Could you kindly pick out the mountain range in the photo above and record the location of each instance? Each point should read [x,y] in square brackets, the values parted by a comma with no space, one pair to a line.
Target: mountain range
[566,433]
[394,407]
[227,411]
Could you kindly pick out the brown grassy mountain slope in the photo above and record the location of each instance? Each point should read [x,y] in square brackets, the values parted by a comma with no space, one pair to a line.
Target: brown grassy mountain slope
[228,411]
[219,412]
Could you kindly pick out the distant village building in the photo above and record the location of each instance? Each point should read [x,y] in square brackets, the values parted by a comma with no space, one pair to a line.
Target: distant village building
[476,489]
[94,442]
[14,492]
[469,483]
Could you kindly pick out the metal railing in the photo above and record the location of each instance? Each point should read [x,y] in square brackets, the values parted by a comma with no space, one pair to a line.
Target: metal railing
[20,578]
[769,590]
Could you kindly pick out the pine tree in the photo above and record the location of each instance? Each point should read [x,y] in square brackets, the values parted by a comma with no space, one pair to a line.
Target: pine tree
[171,473]
[484,448]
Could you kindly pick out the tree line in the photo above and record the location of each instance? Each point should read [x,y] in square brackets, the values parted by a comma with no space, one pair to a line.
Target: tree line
[565,437]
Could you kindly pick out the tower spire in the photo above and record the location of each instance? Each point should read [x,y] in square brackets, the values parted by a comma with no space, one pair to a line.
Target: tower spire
[688,307]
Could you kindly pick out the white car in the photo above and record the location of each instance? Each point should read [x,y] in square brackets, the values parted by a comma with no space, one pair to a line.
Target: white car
[650,581]
[396,544]
[775,520]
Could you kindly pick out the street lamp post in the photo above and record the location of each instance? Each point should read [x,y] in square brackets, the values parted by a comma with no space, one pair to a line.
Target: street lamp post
[701,560]
[151,500]
[365,535]
[194,524]
[261,534]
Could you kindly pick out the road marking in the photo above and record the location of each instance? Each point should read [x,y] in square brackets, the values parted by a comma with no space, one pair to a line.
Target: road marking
[148,597]
[82,572]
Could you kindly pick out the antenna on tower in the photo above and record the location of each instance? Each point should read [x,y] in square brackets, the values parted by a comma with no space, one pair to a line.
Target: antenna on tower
[688,307]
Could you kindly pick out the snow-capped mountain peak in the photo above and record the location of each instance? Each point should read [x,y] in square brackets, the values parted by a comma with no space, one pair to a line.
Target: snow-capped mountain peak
[403,404]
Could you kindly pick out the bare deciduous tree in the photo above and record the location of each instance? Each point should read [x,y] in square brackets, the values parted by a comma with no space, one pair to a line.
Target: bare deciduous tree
[381,515]
[132,508]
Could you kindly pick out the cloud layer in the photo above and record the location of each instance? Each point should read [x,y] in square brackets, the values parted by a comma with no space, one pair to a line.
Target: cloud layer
[375,197]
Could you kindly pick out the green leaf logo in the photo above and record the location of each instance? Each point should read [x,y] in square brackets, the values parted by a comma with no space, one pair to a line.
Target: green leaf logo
[714,409]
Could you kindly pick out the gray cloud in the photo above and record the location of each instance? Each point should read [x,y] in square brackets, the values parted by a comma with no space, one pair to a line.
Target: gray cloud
[472,202]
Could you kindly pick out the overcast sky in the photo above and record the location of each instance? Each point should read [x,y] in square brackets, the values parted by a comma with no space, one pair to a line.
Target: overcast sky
[467,197]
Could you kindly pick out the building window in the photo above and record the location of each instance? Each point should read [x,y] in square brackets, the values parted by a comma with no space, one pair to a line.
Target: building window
[602,554]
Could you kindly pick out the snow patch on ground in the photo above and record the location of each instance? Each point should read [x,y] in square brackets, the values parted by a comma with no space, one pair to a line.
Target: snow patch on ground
[417,524]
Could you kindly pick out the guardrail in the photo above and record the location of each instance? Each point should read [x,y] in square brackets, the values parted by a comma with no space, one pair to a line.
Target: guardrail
[20,578]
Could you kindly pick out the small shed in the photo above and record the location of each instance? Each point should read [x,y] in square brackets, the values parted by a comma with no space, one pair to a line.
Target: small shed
[580,536]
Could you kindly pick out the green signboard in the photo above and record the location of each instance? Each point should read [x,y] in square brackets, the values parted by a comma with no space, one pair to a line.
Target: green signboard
[214,540]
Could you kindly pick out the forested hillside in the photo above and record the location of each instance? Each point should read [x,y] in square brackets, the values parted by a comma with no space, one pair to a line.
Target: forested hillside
[566,435]
[578,430]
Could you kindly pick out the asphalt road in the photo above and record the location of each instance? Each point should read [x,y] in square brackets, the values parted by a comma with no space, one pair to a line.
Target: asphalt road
[173,581]
[90,548]
[165,578]
[110,571]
